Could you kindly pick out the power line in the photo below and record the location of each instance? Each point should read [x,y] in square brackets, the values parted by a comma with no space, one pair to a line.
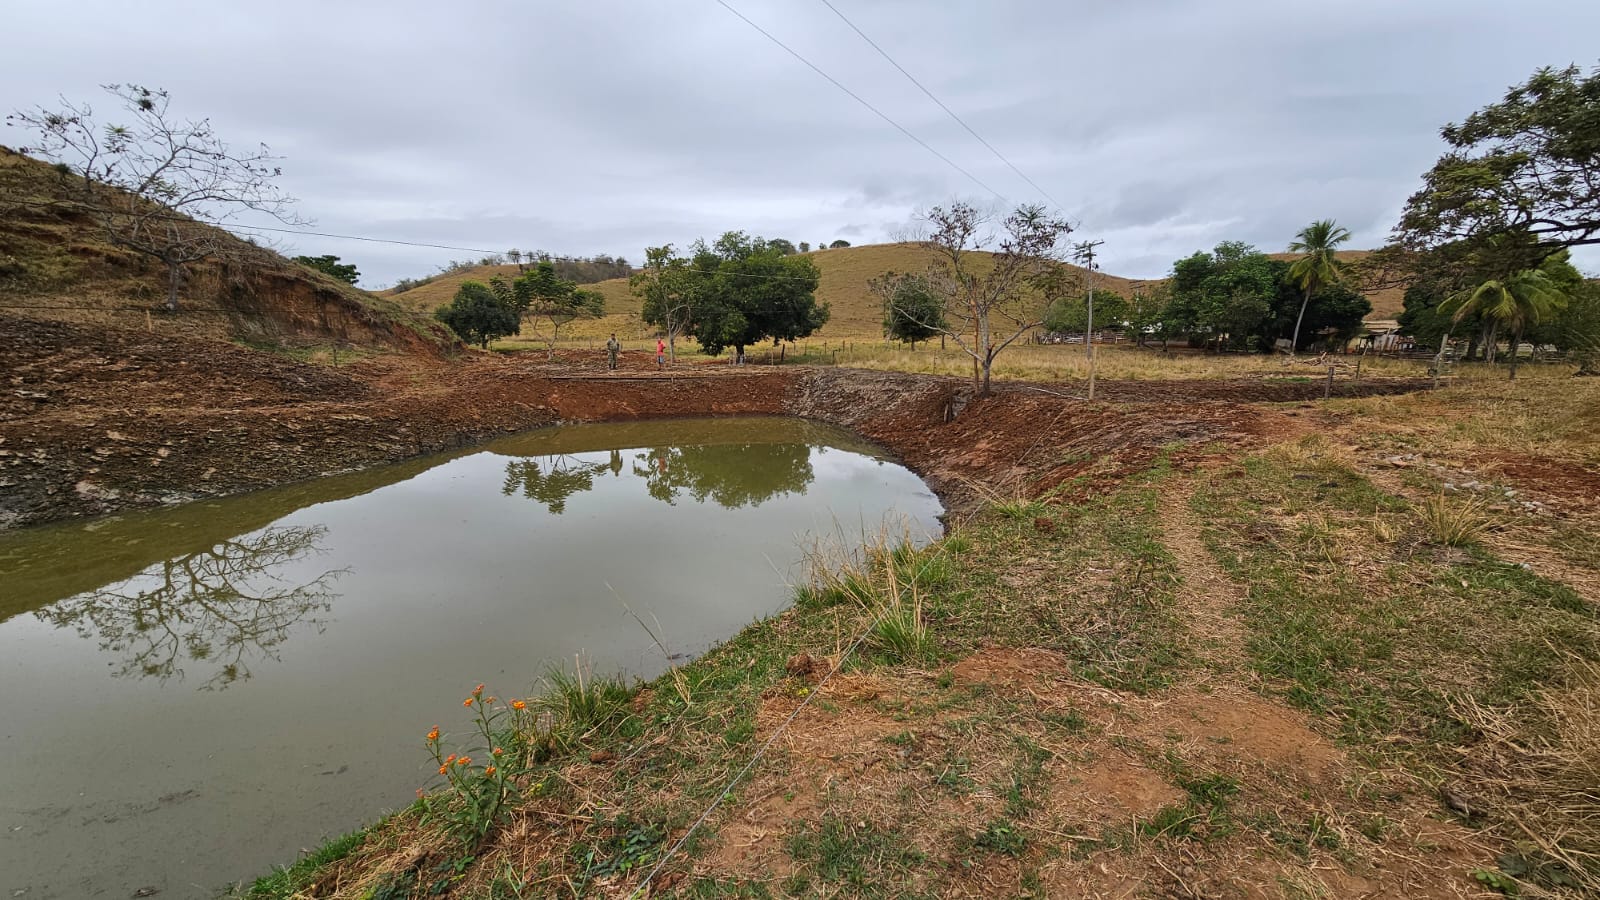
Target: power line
[857,97]
[948,111]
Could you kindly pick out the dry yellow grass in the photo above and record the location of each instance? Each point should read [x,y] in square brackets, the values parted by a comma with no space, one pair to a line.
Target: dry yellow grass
[1058,362]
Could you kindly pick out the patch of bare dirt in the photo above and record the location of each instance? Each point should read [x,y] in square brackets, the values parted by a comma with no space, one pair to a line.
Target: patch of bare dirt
[1208,597]
[1112,788]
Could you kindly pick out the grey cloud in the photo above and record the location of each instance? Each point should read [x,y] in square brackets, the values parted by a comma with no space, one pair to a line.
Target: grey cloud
[1163,126]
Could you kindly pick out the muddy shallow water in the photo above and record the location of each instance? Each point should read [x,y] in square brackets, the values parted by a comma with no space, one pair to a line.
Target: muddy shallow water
[188,696]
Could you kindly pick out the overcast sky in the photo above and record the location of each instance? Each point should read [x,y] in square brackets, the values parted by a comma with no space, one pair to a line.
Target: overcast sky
[1162,126]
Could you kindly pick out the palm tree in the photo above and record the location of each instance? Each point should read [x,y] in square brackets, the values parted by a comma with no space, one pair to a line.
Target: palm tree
[1521,299]
[1317,266]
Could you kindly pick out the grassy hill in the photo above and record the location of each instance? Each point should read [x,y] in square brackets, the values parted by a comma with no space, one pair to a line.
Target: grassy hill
[845,272]
[56,264]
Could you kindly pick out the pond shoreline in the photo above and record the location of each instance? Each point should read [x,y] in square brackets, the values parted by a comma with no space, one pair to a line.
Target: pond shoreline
[80,455]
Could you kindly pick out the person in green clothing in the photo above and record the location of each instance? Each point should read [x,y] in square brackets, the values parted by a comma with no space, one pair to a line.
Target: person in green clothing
[612,347]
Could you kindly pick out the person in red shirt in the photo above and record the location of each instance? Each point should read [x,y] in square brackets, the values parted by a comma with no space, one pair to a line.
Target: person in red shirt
[661,353]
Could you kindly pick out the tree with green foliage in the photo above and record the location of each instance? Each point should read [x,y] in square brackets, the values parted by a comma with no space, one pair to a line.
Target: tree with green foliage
[1518,301]
[911,310]
[480,314]
[786,248]
[747,291]
[1316,265]
[990,298]
[1223,298]
[1071,313]
[838,244]
[1528,166]
[1147,314]
[330,266]
[1332,316]
[668,289]
[805,246]
[1576,330]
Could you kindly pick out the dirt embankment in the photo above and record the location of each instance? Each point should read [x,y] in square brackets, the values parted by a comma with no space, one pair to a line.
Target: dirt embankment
[93,420]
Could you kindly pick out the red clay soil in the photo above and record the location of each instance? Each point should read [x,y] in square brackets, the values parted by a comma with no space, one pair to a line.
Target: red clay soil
[94,419]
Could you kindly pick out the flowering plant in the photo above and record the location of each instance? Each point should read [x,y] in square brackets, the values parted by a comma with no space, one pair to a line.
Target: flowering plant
[475,790]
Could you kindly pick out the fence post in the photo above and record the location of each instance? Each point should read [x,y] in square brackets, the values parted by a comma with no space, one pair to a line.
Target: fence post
[1327,388]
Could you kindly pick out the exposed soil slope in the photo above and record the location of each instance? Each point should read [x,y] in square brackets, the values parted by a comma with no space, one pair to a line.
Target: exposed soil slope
[57,265]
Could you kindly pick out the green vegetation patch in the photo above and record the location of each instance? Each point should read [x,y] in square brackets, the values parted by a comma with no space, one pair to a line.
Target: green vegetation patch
[1380,635]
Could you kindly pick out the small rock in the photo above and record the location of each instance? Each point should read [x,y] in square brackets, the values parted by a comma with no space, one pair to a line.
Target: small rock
[116,436]
[602,756]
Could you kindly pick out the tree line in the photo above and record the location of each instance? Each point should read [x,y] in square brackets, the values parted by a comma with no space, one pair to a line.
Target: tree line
[577,269]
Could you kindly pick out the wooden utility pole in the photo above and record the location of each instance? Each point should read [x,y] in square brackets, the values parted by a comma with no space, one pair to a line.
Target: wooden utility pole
[1085,254]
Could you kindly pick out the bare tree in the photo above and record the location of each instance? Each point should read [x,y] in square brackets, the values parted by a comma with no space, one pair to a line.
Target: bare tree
[989,297]
[157,185]
[215,607]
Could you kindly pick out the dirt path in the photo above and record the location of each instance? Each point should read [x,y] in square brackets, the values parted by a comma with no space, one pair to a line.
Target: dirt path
[1208,597]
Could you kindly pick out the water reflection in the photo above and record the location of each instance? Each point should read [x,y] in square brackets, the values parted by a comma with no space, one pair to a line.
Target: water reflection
[730,475]
[552,479]
[219,607]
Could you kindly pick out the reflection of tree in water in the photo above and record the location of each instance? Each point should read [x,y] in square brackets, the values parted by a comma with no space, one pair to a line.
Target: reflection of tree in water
[552,479]
[732,475]
[218,606]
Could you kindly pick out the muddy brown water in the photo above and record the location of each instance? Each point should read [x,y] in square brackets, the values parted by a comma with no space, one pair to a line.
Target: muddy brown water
[189,696]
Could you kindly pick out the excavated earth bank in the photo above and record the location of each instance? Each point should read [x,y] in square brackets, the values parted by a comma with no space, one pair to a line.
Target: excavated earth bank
[94,420]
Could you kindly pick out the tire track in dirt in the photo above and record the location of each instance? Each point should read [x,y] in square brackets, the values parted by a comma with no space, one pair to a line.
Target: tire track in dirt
[1208,598]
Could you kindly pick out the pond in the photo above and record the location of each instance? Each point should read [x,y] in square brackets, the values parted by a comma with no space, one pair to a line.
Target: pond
[191,695]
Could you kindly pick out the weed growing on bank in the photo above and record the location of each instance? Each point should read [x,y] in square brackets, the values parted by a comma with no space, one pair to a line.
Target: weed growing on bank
[507,738]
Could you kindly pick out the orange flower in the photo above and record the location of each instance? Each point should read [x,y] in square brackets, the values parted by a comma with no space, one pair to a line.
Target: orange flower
[467,702]
[443,769]
[498,751]
[477,690]
[518,704]
[490,700]
[450,759]
[489,771]
[434,734]
[464,761]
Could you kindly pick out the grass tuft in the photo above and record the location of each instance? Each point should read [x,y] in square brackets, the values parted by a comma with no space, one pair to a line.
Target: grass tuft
[583,700]
[1454,524]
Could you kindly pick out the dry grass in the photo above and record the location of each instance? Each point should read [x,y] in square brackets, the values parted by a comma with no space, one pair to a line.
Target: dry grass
[1540,761]
[1454,522]
[1545,412]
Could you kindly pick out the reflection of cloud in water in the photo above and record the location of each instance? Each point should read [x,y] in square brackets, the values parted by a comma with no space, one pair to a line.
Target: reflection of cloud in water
[220,607]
